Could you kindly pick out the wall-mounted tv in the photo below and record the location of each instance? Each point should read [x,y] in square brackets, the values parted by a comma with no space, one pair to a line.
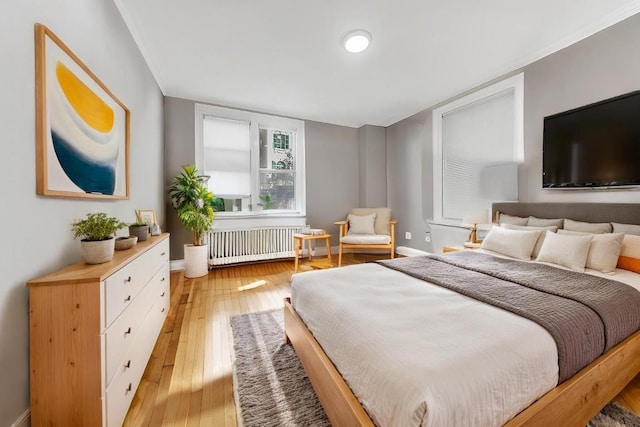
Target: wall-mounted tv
[597,145]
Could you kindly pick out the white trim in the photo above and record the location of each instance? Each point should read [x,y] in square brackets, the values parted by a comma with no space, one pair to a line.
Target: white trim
[24,420]
[176,264]
[514,83]
[409,252]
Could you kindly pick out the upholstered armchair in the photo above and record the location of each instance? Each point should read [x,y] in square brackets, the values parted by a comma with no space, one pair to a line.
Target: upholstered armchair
[367,228]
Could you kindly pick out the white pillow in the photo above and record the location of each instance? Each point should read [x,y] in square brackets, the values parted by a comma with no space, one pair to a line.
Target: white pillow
[587,227]
[541,234]
[604,250]
[568,251]
[361,224]
[510,219]
[514,243]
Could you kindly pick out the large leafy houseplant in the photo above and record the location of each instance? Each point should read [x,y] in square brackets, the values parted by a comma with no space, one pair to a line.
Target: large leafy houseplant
[192,200]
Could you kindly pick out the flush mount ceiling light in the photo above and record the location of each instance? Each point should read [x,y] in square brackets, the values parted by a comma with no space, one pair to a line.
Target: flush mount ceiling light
[356,41]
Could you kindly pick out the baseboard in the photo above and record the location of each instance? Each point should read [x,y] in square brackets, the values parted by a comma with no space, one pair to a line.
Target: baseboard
[406,251]
[176,264]
[23,420]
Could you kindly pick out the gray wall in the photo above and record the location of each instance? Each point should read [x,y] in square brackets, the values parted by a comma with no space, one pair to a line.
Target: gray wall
[331,161]
[37,238]
[601,66]
[373,169]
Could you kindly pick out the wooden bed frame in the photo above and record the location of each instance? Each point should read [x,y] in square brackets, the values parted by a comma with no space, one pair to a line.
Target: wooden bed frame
[572,403]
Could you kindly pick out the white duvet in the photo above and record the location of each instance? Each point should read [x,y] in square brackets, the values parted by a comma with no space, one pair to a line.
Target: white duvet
[418,354]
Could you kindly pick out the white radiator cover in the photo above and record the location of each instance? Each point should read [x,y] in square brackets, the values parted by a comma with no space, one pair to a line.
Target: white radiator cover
[251,244]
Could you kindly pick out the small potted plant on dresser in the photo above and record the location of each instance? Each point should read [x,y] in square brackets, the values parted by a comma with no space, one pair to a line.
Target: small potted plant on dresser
[192,199]
[140,230]
[97,231]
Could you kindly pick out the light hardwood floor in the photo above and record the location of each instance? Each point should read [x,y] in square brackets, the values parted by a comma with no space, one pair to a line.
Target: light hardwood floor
[188,381]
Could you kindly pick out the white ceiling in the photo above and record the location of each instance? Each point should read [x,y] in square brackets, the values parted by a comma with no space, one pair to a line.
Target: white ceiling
[284,57]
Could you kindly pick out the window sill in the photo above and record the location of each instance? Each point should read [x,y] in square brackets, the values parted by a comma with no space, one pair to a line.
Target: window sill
[249,220]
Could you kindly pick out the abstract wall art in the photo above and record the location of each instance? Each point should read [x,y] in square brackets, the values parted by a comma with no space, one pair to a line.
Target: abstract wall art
[82,129]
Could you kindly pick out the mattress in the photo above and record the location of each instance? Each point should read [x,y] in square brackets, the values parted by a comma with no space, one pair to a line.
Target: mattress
[418,354]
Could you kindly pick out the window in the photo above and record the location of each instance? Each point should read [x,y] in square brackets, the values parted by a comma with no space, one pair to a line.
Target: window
[255,161]
[478,142]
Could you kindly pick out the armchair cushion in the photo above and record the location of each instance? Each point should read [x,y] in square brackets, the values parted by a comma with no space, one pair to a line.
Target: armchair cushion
[366,239]
[361,224]
[383,218]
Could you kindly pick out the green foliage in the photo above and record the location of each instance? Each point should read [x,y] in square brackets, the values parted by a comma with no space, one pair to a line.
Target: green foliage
[217,204]
[97,226]
[265,202]
[192,199]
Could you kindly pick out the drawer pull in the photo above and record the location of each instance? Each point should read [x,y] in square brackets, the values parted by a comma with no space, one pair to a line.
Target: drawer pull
[127,299]
[128,331]
[128,389]
[162,280]
[127,280]
[162,311]
[128,365]
[162,294]
[163,254]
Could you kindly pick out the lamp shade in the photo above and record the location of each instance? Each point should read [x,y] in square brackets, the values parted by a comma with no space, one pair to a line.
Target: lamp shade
[478,217]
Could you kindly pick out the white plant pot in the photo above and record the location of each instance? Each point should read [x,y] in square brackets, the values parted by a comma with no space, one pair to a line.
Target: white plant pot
[97,251]
[196,263]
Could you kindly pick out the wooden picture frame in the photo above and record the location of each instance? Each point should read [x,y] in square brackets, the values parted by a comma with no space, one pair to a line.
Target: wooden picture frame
[82,129]
[146,215]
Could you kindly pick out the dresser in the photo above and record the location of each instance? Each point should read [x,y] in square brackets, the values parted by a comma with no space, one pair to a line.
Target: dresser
[92,329]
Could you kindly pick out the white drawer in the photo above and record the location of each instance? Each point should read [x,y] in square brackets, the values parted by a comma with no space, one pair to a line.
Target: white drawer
[127,376]
[122,287]
[122,333]
[159,255]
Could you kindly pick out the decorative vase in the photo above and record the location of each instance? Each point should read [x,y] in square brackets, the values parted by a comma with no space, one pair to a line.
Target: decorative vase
[140,231]
[195,260]
[97,251]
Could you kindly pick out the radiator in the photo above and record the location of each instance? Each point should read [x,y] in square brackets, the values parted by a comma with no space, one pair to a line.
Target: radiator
[251,244]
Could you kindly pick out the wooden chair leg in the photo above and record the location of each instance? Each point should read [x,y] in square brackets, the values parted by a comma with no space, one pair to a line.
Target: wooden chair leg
[340,255]
[392,252]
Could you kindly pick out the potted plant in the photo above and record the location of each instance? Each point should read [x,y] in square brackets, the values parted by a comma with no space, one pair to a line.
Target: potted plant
[97,231]
[139,229]
[192,200]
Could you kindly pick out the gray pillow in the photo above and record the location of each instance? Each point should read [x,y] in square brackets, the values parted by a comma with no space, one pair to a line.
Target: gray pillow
[542,222]
[626,228]
[515,220]
[587,227]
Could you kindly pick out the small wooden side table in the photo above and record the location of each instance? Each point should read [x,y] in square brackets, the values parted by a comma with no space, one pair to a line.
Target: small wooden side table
[298,242]
[460,248]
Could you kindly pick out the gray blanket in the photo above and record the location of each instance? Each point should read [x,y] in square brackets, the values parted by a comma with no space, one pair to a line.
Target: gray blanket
[586,315]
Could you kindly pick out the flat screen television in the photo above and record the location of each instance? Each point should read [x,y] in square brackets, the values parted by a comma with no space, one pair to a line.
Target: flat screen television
[597,145]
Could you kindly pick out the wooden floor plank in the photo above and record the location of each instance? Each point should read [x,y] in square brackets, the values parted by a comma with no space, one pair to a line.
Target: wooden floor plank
[188,381]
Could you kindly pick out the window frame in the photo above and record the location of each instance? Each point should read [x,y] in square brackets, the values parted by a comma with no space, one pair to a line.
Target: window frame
[514,83]
[257,121]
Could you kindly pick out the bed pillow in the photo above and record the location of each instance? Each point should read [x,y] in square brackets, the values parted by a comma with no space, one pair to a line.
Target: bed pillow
[514,243]
[361,224]
[630,253]
[587,227]
[515,220]
[542,222]
[626,228]
[568,251]
[604,250]
[542,234]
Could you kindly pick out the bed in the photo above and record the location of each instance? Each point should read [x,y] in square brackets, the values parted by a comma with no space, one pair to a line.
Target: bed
[510,379]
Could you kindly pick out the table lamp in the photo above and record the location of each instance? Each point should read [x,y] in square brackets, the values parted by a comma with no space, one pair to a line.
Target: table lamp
[479,217]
